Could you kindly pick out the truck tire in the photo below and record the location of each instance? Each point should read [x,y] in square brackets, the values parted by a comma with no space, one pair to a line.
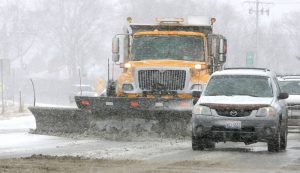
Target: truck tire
[274,143]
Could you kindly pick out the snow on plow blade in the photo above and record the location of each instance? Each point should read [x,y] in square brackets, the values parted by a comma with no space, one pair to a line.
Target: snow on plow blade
[108,116]
[60,120]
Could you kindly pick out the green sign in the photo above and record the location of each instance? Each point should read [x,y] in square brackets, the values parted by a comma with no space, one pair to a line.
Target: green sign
[249,59]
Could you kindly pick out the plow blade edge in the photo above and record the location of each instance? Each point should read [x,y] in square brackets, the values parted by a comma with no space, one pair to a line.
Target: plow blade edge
[105,116]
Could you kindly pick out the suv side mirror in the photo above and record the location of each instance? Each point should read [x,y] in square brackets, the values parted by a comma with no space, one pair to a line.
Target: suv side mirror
[283,96]
[115,49]
[196,95]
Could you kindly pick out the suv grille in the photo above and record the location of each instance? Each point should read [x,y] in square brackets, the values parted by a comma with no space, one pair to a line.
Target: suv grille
[294,106]
[234,112]
[162,80]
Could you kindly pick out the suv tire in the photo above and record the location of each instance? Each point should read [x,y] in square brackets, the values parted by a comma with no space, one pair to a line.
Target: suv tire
[283,140]
[274,143]
[197,143]
[201,143]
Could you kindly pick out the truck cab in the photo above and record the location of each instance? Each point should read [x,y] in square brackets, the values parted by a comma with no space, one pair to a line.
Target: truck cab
[172,58]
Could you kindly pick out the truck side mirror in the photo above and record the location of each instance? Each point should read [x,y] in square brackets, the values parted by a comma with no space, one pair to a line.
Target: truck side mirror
[217,45]
[196,95]
[212,45]
[222,49]
[115,49]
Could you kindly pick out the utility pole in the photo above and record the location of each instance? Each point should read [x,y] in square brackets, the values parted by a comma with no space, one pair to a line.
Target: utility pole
[259,10]
[2,87]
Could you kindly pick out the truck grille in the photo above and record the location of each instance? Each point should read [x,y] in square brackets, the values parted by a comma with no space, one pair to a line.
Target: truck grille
[162,79]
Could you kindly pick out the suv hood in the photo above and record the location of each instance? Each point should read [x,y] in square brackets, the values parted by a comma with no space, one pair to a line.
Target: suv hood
[235,100]
[293,99]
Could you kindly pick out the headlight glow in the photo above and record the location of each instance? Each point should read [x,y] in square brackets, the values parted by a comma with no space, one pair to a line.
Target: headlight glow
[266,112]
[127,65]
[198,67]
[203,110]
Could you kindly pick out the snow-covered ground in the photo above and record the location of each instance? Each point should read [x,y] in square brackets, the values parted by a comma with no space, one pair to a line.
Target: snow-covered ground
[158,154]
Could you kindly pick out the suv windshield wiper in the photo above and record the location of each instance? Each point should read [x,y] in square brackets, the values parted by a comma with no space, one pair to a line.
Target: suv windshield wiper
[245,95]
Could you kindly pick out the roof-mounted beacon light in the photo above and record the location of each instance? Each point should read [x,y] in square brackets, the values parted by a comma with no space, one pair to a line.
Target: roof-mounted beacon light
[169,20]
[213,20]
[129,19]
[199,21]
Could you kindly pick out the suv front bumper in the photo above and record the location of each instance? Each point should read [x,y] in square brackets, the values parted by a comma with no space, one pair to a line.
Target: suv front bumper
[294,116]
[259,129]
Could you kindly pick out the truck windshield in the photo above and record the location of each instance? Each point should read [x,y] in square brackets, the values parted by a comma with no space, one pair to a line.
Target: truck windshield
[177,47]
[236,85]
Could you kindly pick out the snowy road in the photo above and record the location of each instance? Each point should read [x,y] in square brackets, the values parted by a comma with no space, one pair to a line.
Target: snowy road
[157,155]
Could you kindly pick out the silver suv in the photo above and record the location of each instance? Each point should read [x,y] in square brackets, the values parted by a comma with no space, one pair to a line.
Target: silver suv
[291,85]
[241,105]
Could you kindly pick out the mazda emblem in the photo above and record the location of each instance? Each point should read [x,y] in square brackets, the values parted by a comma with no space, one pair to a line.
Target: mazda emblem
[233,113]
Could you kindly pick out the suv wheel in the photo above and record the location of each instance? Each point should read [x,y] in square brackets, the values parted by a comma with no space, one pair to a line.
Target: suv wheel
[274,143]
[201,143]
[197,143]
[283,141]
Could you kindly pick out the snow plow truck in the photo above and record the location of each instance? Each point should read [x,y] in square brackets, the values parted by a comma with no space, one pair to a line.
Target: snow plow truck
[164,67]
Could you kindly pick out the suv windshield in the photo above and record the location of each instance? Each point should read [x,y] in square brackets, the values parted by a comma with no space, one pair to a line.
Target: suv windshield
[249,85]
[188,48]
[291,87]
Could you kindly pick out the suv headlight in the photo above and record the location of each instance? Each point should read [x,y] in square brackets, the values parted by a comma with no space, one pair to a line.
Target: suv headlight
[266,112]
[203,110]
[127,87]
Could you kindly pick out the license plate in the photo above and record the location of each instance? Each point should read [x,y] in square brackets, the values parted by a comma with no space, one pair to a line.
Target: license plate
[233,125]
[109,103]
[159,104]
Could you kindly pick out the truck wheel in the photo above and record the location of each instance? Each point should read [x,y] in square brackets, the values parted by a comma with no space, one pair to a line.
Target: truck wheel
[274,143]
[210,144]
[197,143]
[283,141]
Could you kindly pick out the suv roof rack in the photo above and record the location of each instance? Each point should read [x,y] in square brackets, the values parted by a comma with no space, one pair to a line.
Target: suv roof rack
[246,68]
[290,77]
[287,75]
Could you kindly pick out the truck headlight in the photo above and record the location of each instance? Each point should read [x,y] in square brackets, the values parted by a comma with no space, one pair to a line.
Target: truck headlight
[266,112]
[203,110]
[197,87]
[127,87]
[198,67]
[127,65]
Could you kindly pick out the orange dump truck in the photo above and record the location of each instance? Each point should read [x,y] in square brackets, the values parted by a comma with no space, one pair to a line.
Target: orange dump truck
[164,65]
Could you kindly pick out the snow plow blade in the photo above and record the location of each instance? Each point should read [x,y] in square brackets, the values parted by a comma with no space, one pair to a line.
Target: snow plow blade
[115,116]
[60,120]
